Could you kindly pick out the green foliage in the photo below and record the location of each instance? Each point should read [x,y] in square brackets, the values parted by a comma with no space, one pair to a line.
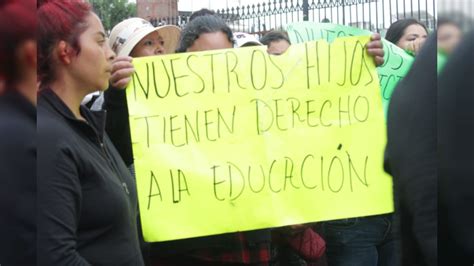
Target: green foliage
[111,12]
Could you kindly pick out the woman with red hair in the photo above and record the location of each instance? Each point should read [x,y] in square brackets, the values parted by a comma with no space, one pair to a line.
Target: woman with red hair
[18,131]
[87,201]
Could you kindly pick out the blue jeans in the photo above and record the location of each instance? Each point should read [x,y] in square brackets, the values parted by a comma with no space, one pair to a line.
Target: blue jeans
[363,241]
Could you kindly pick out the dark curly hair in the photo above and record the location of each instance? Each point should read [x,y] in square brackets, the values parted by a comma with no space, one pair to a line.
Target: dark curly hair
[200,25]
[274,36]
[201,12]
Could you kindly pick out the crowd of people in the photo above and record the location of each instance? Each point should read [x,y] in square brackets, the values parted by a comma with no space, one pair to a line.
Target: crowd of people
[68,192]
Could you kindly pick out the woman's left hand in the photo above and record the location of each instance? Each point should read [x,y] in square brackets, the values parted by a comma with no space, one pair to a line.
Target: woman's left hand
[415,45]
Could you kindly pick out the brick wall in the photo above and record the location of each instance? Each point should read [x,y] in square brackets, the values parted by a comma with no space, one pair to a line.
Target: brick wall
[157,8]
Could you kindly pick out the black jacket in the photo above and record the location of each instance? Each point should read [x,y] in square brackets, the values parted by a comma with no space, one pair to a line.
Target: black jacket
[456,140]
[17,180]
[87,201]
[117,125]
[412,158]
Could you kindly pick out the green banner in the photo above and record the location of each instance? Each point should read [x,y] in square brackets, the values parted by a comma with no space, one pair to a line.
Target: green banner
[442,59]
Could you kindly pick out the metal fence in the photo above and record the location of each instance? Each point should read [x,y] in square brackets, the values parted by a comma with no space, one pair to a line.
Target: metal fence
[373,15]
[458,11]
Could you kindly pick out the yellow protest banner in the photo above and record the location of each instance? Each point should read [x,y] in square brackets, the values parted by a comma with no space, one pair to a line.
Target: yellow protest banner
[235,140]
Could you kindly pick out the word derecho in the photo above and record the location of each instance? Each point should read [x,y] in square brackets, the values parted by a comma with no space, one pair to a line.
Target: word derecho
[279,114]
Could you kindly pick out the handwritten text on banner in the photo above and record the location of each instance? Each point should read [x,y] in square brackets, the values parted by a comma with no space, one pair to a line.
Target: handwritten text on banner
[235,140]
[397,61]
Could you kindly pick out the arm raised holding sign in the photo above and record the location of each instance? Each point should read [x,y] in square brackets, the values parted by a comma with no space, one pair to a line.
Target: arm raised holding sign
[132,38]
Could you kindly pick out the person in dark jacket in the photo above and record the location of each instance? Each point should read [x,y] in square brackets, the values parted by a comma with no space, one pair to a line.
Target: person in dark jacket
[87,200]
[412,157]
[18,133]
[456,159]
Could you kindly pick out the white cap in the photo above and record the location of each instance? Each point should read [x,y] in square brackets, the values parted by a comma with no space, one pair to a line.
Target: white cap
[130,32]
[245,39]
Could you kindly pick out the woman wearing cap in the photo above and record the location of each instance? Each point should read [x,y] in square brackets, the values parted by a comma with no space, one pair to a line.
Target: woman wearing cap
[87,201]
[134,37]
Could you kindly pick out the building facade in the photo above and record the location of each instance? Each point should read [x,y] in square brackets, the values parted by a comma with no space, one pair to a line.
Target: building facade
[157,9]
